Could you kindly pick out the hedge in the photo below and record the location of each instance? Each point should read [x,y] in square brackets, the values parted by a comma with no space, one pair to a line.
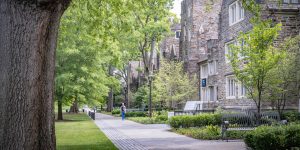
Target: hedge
[136,114]
[116,111]
[195,121]
[274,137]
[291,116]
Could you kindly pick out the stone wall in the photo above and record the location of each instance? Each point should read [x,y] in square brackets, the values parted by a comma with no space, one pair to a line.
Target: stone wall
[205,31]
[169,47]
[199,23]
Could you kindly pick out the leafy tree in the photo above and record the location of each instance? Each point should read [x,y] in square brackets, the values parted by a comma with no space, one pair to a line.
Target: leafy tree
[141,97]
[253,57]
[172,85]
[81,75]
[283,80]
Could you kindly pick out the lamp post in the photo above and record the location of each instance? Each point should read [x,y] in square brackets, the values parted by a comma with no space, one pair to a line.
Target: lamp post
[150,95]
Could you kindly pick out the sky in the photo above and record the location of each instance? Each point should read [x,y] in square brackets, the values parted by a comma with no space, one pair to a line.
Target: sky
[177,7]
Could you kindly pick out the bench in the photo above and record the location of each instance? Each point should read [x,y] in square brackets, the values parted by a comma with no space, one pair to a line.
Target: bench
[246,121]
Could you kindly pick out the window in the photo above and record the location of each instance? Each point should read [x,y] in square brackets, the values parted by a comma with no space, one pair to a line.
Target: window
[236,12]
[230,87]
[177,34]
[212,67]
[234,88]
[242,91]
[291,1]
[212,93]
[228,51]
[208,93]
[204,71]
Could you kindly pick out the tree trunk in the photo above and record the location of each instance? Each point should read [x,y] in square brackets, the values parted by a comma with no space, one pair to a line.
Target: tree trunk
[59,107]
[27,62]
[110,103]
[74,107]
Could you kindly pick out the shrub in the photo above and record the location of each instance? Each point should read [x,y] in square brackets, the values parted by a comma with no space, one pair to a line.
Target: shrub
[136,114]
[291,116]
[205,133]
[161,118]
[116,111]
[274,137]
[195,121]
[209,133]
[147,120]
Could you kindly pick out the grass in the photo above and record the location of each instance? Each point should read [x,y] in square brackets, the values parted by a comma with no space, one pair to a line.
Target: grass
[78,132]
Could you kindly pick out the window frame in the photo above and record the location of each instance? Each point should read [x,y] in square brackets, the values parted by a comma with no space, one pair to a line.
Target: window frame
[231,94]
[177,31]
[227,50]
[238,14]
[212,67]
[242,89]
[204,76]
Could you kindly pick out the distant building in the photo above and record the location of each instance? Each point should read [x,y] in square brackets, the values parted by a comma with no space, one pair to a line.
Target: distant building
[169,47]
[208,28]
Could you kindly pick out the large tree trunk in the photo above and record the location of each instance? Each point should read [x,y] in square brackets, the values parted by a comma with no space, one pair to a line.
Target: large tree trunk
[110,102]
[28,38]
[59,112]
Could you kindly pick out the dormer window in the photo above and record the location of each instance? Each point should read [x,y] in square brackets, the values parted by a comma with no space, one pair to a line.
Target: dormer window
[236,12]
[177,34]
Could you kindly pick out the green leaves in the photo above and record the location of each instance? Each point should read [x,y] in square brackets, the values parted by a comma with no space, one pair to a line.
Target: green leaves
[172,84]
[254,57]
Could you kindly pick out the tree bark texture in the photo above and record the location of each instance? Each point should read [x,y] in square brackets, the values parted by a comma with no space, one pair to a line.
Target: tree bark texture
[28,36]
[59,112]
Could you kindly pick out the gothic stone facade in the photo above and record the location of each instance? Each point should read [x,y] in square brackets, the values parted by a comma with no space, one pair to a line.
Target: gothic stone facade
[169,47]
[204,45]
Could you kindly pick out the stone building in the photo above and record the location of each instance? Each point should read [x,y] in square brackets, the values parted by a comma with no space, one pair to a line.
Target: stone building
[207,31]
[169,47]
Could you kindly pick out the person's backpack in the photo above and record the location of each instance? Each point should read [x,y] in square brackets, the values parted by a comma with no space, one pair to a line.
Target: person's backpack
[122,108]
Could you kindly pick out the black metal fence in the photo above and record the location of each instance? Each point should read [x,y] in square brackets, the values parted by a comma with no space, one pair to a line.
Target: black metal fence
[192,112]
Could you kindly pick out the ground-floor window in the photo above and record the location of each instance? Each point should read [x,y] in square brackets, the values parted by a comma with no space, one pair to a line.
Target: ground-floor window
[230,87]
[234,88]
[208,93]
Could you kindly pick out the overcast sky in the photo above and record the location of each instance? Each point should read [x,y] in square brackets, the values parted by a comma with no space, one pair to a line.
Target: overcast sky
[177,7]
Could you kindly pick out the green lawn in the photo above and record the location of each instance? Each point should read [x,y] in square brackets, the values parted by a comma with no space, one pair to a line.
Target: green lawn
[78,132]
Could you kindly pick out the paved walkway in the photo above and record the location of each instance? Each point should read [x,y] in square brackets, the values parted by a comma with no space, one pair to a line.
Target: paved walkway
[128,135]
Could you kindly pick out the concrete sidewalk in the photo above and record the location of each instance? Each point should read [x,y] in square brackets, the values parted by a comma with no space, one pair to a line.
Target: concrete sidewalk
[128,135]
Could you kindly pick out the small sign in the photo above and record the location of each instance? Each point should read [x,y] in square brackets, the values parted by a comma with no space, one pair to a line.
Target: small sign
[203,82]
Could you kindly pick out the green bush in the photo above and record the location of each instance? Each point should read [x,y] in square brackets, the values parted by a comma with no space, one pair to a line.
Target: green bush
[116,111]
[233,134]
[274,137]
[136,114]
[204,133]
[195,121]
[161,118]
[209,133]
[147,120]
[291,116]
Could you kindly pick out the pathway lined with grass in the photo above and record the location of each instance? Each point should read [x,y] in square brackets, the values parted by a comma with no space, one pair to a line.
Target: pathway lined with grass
[129,135]
[78,132]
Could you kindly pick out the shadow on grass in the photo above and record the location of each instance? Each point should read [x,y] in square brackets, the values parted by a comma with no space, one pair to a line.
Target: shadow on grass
[73,117]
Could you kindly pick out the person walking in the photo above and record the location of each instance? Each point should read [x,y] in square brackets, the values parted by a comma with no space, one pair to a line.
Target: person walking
[123,111]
